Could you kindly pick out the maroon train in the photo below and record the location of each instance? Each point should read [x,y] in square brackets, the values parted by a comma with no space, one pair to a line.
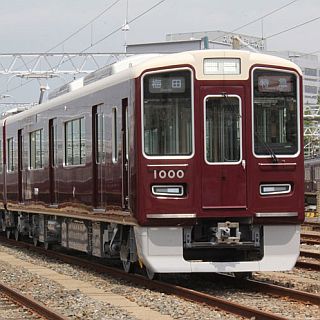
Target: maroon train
[189,162]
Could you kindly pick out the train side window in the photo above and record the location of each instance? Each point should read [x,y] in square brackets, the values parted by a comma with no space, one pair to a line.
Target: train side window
[10,155]
[114,136]
[36,149]
[75,142]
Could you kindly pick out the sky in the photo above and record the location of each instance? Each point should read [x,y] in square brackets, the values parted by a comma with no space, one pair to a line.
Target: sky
[38,26]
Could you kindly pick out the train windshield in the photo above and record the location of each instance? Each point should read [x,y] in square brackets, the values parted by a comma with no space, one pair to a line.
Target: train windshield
[223,129]
[167,114]
[275,113]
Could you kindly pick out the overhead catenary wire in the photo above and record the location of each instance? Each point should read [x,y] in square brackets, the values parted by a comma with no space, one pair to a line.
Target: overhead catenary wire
[120,28]
[287,30]
[292,28]
[160,2]
[99,41]
[84,26]
[264,16]
[260,18]
[68,38]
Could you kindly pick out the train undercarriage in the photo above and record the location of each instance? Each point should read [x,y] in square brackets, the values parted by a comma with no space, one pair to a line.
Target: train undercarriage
[209,246]
[100,239]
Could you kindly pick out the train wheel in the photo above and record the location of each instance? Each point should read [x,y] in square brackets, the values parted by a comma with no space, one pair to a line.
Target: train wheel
[35,241]
[152,275]
[126,252]
[16,235]
[128,266]
[47,245]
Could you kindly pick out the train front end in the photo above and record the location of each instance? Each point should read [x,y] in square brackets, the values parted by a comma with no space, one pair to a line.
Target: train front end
[220,185]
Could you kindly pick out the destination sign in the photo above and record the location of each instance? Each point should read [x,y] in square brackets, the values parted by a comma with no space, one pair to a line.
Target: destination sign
[160,84]
[275,83]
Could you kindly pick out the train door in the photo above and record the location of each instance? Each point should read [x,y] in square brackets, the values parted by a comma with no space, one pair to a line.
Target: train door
[53,156]
[125,154]
[20,166]
[99,157]
[224,167]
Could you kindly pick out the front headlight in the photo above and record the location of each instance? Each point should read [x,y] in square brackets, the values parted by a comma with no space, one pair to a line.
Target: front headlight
[271,189]
[167,190]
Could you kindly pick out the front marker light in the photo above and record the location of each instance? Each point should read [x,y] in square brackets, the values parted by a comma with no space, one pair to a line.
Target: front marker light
[168,190]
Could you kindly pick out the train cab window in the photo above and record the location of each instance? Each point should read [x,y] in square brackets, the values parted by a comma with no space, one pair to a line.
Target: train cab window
[36,149]
[168,114]
[75,142]
[275,113]
[223,129]
[10,155]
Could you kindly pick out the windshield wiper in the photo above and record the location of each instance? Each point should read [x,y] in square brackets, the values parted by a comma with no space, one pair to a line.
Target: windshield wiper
[268,148]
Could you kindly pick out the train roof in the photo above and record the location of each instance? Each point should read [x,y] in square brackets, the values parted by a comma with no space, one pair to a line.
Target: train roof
[134,66]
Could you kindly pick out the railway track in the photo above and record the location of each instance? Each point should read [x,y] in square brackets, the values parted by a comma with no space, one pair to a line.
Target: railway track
[186,293]
[310,238]
[37,309]
[310,254]
[315,226]
[308,265]
[10,309]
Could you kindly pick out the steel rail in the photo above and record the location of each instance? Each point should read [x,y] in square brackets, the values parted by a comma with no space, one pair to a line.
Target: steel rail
[179,291]
[189,294]
[282,291]
[272,289]
[30,303]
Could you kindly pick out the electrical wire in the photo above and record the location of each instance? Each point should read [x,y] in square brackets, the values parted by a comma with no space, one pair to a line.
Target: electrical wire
[292,28]
[83,27]
[257,19]
[286,30]
[102,39]
[68,38]
[119,28]
[266,15]
[160,2]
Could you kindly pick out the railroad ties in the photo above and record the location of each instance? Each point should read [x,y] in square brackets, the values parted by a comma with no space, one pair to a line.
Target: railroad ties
[224,299]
